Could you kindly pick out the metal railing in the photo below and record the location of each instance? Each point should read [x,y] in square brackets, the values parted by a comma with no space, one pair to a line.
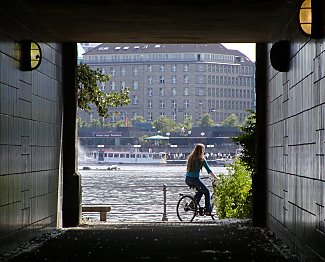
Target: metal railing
[143,201]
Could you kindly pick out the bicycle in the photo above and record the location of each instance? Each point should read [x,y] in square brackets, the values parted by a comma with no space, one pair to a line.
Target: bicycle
[188,208]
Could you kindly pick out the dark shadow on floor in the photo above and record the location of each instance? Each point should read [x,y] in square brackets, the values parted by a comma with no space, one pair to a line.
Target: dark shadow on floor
[221,241]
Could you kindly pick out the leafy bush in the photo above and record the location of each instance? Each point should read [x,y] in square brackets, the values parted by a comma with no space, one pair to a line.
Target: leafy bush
[233,192]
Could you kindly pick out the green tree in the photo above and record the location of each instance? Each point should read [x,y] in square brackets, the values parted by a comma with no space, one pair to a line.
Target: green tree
[89,92]
[231,120]
[206,120]
[118,123]
[82,123]
[138,119]
[188,123]
[165,124]
[95,123]
[247,140]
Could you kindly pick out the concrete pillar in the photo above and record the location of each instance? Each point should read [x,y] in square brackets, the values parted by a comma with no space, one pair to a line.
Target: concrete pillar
[71,207]
[259,177]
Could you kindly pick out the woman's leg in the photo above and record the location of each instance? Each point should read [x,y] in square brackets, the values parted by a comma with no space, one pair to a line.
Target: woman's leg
[202,189]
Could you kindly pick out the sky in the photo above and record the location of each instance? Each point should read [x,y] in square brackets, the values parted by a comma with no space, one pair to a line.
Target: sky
[246,48]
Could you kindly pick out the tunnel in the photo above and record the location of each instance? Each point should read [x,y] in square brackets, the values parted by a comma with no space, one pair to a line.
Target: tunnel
[39,180]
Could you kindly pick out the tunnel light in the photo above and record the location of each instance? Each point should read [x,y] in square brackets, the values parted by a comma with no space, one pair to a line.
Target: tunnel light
[311,18]
[31,55]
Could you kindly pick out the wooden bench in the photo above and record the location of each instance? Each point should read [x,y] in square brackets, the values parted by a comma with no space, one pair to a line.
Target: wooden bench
[101,209]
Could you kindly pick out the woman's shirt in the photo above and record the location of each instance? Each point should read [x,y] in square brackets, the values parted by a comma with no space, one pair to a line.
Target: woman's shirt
[196,171]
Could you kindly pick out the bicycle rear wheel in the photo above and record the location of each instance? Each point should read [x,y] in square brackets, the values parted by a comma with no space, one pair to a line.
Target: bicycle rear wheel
[186,209]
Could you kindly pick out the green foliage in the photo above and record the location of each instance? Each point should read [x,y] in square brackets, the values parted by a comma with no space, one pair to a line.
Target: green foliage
[82,123]
[188,123]
[233,192]
[231,120]
[142,140]
[165,124]
[206,120]
[138,119]
[89,93]
[119,123]
[247,140]
[95,123]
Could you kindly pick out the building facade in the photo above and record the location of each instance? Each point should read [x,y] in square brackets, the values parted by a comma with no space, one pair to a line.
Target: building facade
[176,80]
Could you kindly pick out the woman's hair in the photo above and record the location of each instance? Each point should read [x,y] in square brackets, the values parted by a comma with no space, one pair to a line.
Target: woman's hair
[196,155]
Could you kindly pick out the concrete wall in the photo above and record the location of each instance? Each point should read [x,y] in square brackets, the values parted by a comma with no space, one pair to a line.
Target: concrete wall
[295,148]
[30,135]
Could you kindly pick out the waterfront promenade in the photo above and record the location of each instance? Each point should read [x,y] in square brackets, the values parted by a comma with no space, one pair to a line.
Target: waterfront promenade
[227,240]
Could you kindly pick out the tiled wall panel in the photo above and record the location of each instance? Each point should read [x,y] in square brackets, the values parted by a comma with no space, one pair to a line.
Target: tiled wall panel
[296,150]
[30,138]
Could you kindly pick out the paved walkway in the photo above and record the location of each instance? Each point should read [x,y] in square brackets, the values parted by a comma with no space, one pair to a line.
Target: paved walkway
[221,241]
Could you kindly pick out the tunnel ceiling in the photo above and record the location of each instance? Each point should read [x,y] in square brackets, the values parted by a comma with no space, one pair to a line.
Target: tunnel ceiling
[166,21]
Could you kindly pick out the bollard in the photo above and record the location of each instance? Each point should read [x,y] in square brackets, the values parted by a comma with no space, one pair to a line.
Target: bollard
[164,218]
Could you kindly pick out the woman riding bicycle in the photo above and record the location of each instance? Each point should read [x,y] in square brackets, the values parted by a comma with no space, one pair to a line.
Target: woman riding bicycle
[195,162]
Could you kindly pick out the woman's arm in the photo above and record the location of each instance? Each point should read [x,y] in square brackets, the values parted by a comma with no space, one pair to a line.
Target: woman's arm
[208,169]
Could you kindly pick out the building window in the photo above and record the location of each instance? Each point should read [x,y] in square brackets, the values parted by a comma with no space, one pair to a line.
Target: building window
[174,91]
[174,79]
[135,100]
[174,68]
[174,116]
[162,113]
[161,91]
[149,91]
[135,85]
[113,86]
[185,79]
[102,86]
[201,67]
[185,115]
[149,116]
[123,71]
[162,68]
[186,68]
[186,104]
[112,118]
[186,91]
[149,80]
[135,71]
[113,71]
[149,103]
[161,79]
[201,91]
[162,103]
[174,103]
[123,86]
[149,68]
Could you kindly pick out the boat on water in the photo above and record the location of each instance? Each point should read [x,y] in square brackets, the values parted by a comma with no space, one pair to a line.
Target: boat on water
[110,157]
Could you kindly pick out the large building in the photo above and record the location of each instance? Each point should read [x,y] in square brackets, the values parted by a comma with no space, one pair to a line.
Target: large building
[176,80]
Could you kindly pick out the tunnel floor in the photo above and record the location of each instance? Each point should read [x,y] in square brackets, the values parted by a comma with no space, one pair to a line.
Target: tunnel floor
[219,241]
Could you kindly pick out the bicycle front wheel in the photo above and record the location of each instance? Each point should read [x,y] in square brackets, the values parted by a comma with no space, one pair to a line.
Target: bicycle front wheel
[186,209]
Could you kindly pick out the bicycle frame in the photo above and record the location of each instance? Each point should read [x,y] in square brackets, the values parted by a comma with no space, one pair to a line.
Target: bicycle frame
[188,208]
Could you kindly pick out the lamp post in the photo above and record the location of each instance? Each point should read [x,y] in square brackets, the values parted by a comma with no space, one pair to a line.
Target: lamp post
[202,135]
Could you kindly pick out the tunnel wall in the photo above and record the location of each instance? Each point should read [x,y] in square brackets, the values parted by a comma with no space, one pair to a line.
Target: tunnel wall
[295,147]
[30,139]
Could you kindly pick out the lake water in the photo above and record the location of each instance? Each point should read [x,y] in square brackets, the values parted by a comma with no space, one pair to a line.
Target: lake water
[135,193]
